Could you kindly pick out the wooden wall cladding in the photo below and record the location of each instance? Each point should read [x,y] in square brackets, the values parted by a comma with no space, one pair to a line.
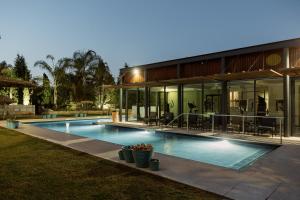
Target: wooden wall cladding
[255,61]
[294,57]
[134,77]
[162,73]
[201,68]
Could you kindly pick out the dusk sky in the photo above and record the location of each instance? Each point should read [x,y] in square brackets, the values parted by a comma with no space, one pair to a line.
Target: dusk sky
[140,31]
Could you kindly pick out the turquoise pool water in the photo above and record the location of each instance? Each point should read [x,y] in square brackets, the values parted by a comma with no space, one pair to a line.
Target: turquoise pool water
[224,153]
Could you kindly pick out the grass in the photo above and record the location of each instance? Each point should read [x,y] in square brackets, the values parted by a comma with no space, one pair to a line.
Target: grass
[35,169]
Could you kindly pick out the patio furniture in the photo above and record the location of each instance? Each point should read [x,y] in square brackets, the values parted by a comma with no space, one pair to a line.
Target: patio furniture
[167,118]
[266,125]
[235,124]
[193,121]
[152,118]
[154,164]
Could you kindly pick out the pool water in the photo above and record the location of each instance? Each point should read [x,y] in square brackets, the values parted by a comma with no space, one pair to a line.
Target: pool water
[224,153]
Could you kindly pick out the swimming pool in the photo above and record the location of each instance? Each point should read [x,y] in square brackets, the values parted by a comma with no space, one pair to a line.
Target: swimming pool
[225,153]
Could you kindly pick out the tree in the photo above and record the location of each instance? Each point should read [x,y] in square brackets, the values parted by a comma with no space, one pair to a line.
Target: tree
[5,69]
[22,72]
[101,76]
[80,64]
[46,92]
[55,69]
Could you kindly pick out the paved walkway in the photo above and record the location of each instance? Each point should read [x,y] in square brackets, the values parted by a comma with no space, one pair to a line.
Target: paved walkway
[274,176]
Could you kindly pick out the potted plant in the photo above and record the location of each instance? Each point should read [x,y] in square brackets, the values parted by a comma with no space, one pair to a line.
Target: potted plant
[127,152]
[121,155]
[10,123]
[142,154]
[115,116]
[154,164]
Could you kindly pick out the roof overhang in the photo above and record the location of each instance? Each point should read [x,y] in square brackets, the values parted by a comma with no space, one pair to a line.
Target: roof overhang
[10,82]
[247,75]
[293,71]
[270,73]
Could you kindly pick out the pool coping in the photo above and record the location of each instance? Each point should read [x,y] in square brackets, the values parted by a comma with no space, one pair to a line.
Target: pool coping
[255,182]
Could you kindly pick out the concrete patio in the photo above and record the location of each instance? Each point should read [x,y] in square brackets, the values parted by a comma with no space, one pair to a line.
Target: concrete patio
[274,176]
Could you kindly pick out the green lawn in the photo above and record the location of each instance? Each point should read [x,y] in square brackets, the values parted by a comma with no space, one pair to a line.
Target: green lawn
[35,169]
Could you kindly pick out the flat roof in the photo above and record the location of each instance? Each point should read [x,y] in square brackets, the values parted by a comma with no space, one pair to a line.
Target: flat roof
[244,50]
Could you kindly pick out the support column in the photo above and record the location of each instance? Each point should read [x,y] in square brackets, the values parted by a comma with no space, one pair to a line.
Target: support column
[138,113]
[180,104]
[126,105]
[146,102]
[224,96]
[287,96]
[120,104]
[224,104]
[165,99]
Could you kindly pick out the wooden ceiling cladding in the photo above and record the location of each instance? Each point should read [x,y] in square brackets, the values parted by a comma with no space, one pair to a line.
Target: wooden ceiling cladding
[255,61]
[295,57]
[131,77]
[162,73]
[201,68]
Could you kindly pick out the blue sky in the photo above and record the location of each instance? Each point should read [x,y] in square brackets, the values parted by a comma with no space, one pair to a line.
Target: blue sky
[140,31]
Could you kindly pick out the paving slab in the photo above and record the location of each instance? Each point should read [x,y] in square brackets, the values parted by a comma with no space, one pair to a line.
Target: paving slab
[94,147]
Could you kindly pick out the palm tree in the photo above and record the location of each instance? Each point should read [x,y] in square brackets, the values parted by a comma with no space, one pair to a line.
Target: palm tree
[101,75]
[80,64]
[56,70]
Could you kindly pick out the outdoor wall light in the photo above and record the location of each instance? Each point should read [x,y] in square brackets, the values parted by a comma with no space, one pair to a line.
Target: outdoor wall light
[136,71]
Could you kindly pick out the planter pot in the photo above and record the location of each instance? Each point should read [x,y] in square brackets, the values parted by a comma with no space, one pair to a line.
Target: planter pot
[115,116]
[154,164]
[142,158]
[127,152]
[121,155]
[12,124]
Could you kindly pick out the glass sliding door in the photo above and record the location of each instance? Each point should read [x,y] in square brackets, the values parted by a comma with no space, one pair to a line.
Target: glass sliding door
[192,99]
[156,101]
[269,98]
[241,97]
[172,100]
[135,104]
[296,106]
[212,98]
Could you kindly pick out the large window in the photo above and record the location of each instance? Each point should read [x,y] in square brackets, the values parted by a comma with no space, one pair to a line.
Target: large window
[269,97]
[157,101]
[172,100]
[135,104]
[192,99]
[296,128]
[241,97]
[212,98]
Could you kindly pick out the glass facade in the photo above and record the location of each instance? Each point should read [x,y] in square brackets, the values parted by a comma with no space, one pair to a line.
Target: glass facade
[263,97]
[296,108]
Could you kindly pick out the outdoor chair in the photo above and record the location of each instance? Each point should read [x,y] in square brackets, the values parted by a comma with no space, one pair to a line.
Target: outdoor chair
[193,121]
[167,118]
[235,124]
[152,118]
[266,125]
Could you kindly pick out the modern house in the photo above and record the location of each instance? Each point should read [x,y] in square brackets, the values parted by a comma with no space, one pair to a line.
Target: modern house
[261,80]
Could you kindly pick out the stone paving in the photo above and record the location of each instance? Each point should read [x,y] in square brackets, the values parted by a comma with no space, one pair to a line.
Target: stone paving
[274,176]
